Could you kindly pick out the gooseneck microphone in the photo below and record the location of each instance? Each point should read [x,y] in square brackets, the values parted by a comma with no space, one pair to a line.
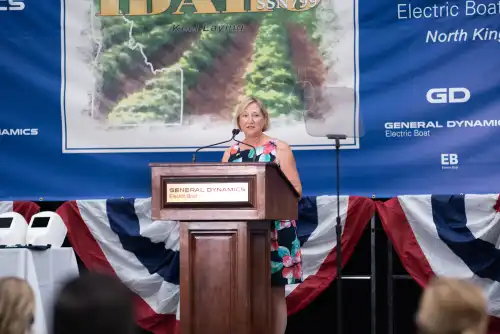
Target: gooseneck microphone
[254,149]
[235,133]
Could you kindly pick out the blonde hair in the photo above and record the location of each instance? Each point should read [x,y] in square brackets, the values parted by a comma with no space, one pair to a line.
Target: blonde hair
[17,306]
[242,106]
[452,306]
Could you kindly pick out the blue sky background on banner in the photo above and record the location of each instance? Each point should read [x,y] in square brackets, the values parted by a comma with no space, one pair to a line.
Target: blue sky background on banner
[397,69]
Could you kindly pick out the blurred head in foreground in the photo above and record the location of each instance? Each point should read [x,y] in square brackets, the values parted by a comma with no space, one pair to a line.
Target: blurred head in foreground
[17,306]
[452,306]
[94,304]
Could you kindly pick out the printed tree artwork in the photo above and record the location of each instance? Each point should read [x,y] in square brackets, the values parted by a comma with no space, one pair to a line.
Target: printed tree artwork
[161,69]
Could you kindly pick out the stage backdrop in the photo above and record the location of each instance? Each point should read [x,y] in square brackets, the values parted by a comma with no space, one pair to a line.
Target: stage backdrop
[94,90]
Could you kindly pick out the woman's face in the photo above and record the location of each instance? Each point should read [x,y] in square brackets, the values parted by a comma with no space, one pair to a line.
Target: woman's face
[252,120]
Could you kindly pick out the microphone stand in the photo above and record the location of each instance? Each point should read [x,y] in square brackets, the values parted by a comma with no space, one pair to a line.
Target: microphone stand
[235,133]
[254,149]
[338,230]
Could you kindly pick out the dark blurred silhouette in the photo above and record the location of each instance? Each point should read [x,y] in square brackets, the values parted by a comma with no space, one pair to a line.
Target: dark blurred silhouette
[94,303]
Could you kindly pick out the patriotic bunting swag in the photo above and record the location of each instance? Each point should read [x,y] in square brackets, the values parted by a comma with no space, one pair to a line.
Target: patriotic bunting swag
[455,236]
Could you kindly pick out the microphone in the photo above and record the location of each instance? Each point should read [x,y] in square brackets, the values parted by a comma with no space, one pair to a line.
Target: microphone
[235,133]
[254,149]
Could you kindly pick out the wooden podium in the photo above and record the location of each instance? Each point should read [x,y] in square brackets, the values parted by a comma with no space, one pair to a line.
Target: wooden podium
[225,211]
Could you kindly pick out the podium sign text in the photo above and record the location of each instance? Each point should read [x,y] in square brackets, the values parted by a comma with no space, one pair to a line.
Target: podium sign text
[225,192]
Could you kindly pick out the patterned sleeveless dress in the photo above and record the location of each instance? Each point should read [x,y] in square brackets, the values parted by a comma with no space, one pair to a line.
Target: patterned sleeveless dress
[286,257]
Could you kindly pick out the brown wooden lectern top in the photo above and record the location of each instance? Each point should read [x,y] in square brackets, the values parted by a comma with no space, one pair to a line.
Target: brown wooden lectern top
[222,191]
[224,209]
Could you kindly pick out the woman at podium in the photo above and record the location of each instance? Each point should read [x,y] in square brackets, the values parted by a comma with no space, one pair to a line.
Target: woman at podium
[252,119]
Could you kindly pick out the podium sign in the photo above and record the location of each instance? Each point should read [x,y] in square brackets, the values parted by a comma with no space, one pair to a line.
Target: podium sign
[230,192]
[224,211]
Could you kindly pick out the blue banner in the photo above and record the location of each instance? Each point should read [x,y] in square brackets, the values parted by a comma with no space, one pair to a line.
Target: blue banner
[94,91]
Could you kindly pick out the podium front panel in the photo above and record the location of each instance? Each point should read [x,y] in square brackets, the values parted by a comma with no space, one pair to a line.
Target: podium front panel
[225,277]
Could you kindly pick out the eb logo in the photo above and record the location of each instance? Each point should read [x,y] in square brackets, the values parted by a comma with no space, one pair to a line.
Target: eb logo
[448,95]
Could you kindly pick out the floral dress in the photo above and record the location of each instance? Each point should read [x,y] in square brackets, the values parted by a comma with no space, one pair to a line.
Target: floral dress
[286,257]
